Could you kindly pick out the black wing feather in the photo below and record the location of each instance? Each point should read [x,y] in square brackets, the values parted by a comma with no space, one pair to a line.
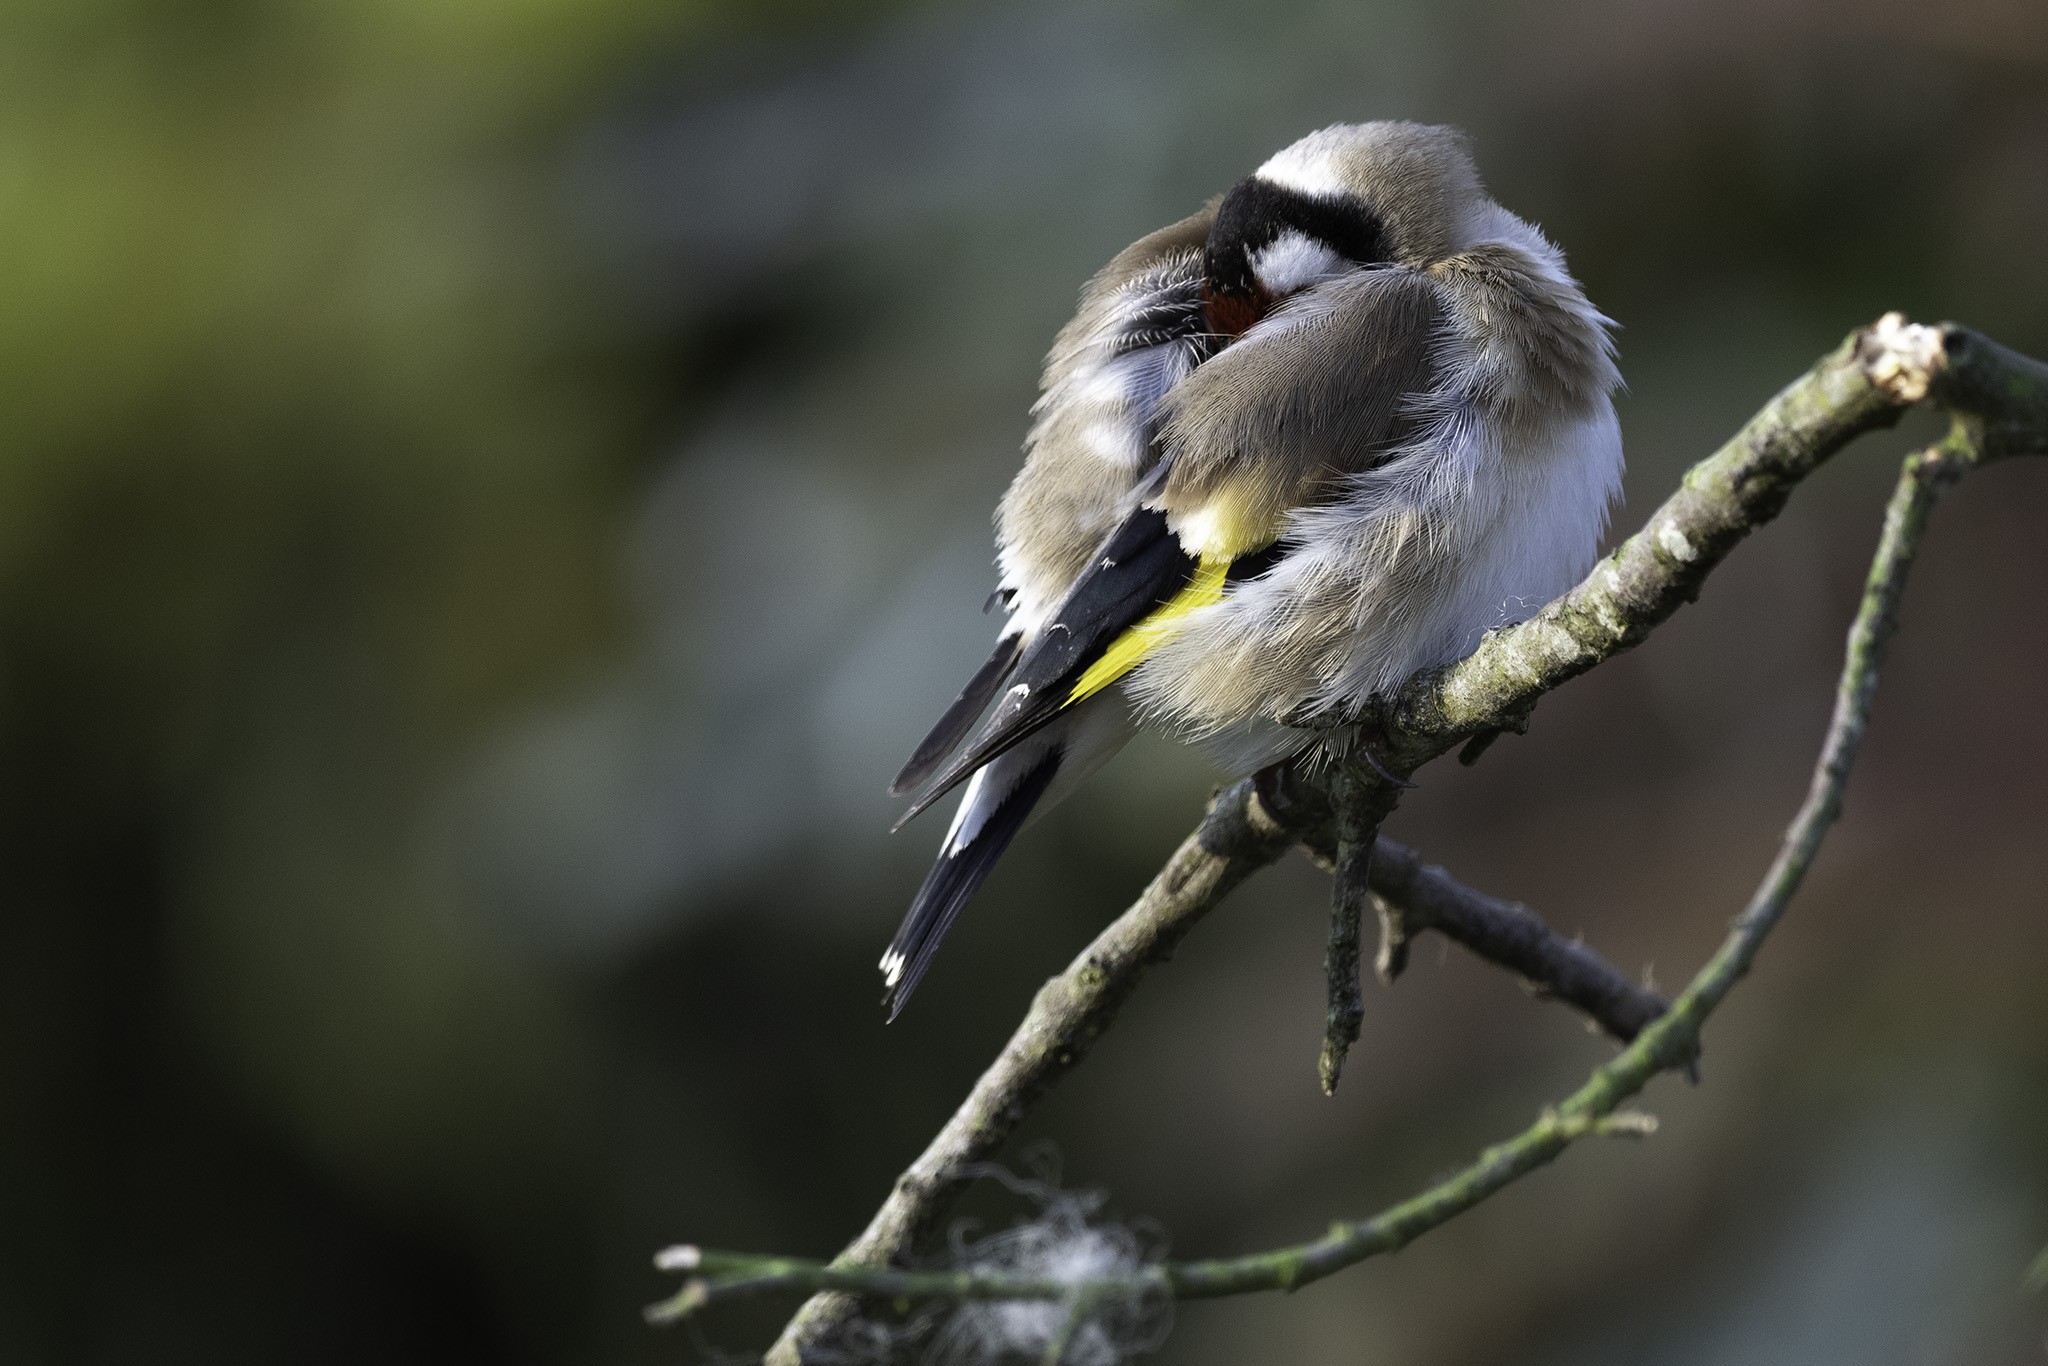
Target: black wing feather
[954,725]
[955,878]
[1139,568]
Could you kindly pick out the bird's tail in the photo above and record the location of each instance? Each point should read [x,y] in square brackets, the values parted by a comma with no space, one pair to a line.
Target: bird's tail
[999,799]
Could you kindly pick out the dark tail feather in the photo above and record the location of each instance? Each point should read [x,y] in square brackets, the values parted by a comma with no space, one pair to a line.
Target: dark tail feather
[952,881]
[1140,567]
[952,727]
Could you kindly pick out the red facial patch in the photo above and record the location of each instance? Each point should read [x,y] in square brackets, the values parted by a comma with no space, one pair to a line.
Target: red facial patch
[1231,315]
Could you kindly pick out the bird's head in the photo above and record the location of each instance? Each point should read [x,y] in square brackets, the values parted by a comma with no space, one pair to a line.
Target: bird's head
[1344,198]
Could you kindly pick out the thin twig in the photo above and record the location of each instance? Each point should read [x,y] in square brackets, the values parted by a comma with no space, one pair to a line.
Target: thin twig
[1344,1009]
[1512,936]
[1504,933]
[1361,800]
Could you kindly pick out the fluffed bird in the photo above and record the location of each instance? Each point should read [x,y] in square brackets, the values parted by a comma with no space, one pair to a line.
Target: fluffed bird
[1324,433]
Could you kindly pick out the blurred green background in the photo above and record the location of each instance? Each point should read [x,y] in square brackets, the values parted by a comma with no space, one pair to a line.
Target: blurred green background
[488,493]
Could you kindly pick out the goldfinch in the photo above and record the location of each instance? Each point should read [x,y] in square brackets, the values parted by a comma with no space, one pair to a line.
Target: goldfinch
[1321,434]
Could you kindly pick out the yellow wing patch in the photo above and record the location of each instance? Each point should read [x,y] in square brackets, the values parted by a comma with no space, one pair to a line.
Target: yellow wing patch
[1127,650]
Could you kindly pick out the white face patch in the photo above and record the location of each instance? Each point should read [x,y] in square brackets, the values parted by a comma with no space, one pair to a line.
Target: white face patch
[1294,261]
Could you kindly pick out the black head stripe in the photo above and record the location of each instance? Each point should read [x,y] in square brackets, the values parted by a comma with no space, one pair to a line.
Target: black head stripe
[1256,212]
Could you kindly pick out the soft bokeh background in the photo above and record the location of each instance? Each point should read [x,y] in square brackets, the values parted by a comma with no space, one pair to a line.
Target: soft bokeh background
[488,492]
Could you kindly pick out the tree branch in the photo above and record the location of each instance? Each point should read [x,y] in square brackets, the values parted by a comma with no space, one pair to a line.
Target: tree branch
[1512,936]
[1666,1042]
[1361,801]
[1506,934]
[1248,826]
[2000,401]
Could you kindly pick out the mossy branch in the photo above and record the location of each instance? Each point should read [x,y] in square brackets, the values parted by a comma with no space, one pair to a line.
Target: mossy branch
[1999,404]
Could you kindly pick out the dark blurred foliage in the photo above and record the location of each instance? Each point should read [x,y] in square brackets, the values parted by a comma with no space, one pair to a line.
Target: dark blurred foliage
[488,492]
